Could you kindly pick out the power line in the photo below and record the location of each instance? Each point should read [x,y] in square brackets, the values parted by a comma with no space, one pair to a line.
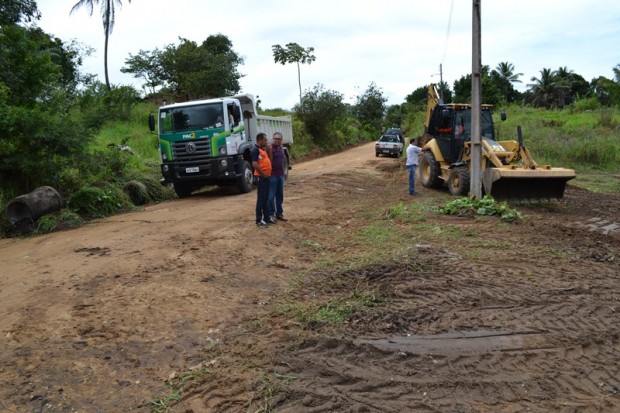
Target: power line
[445,48]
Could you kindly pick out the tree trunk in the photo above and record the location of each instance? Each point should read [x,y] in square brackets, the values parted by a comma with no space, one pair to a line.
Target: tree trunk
[299,81]
[105,48]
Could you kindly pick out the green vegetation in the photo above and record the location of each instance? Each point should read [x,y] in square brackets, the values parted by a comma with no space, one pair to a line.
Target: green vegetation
[485,206]
[332,310]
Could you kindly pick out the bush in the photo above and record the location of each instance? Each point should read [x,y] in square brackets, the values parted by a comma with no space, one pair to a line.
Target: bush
[64,219]
[93,202]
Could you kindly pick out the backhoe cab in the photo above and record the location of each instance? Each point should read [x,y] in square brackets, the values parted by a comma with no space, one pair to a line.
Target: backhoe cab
[508,169]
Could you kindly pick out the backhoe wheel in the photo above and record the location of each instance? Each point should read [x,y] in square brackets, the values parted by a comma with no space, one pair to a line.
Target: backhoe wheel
[245,182]
[430,171]
[183,189]
[458,181]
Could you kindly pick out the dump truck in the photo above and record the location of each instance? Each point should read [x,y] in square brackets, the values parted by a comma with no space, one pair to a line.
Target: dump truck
[209,142]
[507,167]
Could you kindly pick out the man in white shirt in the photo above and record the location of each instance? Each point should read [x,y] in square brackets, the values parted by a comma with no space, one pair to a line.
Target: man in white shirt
[413,153]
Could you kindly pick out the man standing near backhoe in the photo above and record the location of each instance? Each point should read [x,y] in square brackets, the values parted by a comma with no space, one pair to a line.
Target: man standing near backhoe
[413,153]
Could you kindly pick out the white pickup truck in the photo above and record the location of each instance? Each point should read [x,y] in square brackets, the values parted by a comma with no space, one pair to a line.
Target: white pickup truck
[389,145]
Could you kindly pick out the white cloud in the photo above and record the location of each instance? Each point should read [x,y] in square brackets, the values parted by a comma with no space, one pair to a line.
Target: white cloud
[398,44]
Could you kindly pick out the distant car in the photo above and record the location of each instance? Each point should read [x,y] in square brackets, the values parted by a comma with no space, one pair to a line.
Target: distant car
[389,145]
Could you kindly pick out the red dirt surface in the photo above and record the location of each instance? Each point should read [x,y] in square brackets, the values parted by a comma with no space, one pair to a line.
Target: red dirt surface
[490,317]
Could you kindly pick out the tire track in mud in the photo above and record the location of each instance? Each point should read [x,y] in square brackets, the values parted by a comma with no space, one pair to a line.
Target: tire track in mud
[464,336]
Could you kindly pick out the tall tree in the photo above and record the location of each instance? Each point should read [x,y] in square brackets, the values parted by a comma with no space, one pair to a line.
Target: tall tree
[293,53]
[545,89]
[206,70]
[491,93]
[18,11]
[319,109]
[108,14]
[370,108]
[507,76]
[146,65]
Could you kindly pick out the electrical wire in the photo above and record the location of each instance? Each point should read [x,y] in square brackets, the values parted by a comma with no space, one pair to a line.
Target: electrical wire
[445,48]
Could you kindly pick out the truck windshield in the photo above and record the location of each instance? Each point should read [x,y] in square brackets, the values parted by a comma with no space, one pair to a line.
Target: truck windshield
[188,118]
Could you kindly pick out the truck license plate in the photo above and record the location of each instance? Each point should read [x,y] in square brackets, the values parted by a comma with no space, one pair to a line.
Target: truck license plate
[386,151]
[192,170]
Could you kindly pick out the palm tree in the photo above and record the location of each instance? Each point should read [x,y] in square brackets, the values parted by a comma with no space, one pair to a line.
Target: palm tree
[107,13]
[293,53]
[547,89]
[617,73]
[507,75]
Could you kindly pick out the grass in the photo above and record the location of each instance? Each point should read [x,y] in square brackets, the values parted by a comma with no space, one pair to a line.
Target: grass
[599,183]
[582,140]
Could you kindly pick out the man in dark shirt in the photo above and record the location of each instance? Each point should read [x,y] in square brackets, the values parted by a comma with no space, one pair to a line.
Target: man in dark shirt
[276,183]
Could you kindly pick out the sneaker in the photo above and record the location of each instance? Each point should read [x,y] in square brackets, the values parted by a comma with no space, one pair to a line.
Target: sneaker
[281,218]
[413,193]
[261,224]
[271,221]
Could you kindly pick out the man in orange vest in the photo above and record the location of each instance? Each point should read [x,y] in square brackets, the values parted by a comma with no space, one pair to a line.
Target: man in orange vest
[262,172]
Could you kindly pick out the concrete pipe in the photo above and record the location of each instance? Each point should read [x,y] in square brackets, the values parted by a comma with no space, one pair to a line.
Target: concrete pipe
[32,206]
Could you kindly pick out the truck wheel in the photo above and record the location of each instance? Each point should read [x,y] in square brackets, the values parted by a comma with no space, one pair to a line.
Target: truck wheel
[183,189]
[246,181]
[458,181]
[430,171]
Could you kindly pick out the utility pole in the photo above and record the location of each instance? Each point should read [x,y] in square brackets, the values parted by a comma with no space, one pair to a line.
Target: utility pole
[439,86]
[476,109]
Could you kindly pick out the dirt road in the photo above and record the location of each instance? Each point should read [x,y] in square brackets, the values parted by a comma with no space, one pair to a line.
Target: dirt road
[99,318]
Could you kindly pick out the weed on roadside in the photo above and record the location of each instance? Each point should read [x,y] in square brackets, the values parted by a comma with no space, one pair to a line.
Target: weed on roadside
[468,206]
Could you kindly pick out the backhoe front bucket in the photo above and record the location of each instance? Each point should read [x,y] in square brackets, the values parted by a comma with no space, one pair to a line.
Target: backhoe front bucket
[526,184]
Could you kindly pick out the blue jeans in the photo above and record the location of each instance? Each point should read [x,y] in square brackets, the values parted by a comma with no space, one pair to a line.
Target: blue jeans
[276,196]
[411,169]
[262,193]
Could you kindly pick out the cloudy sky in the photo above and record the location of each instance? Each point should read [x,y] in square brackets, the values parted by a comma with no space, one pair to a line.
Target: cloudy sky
[397,44]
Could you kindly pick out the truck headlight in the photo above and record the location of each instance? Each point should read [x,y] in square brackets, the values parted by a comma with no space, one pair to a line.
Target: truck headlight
[222,150]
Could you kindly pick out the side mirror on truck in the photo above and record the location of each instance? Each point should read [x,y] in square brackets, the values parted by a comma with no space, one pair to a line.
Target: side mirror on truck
[152,122]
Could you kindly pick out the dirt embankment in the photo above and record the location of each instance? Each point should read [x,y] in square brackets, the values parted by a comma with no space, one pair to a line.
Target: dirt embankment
[491,317]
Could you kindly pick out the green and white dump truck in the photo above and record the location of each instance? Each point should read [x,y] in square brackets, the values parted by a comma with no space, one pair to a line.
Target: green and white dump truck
[208,142]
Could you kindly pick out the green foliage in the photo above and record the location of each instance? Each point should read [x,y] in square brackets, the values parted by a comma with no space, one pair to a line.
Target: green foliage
[18,11]
[588,140]
[92,202]
[63,219]
[319,108]
[99,104]
[195,71]
[293,53]
[164,404]
[370,109]
[27,67]
[146,65]
[335,310]
[406,212]
[491,89]
[585,104]
[485,206]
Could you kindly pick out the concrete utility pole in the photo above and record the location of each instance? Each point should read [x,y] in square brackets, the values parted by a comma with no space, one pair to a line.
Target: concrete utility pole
[476,109]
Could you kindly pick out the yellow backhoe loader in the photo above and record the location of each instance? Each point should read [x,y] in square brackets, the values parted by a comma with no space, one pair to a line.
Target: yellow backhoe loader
[508,169]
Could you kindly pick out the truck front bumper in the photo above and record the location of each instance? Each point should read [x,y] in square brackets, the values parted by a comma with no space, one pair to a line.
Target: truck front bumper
[212,171]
